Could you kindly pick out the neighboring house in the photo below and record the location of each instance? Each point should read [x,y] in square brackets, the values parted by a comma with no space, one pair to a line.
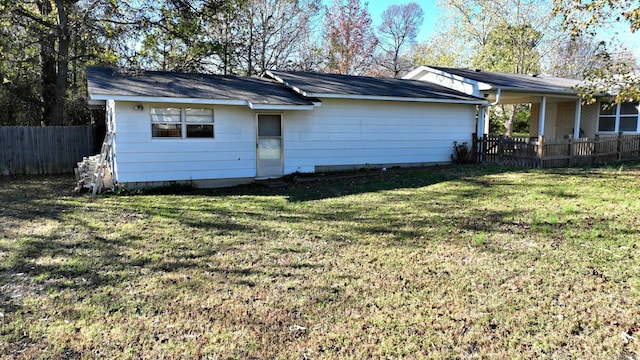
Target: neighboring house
[556,110]
[221,130]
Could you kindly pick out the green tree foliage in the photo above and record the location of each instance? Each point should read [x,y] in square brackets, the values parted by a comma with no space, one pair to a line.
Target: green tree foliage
[174,38]
[46,45]
[510,48]
[505,36]
[229,37]
[435,52]
[618,76]
[351,42]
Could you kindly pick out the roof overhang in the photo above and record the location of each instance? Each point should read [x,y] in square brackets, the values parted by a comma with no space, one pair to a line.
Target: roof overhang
[97,98]
[520,96]
[532,91]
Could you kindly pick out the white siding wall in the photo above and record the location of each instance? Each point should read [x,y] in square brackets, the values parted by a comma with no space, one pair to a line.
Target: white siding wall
[231,154]
[350,132]
[340,132]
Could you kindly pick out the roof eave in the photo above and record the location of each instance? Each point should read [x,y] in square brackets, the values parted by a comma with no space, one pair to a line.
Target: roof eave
[165,99]
[281,107]
[398,98]
[537,91]
[100,98]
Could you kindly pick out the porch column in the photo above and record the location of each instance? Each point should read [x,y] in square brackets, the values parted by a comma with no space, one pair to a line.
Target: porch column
[543,115]
[576,122]
[481,120]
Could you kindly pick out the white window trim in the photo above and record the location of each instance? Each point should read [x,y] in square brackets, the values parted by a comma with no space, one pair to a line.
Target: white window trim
[616,118]
[183,122]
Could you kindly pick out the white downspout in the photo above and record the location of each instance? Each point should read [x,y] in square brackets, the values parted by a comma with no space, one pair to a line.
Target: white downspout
[482,121]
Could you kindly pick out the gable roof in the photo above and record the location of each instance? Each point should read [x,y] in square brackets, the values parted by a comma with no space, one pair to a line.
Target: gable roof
[368,88]
[488,80]
[258,93]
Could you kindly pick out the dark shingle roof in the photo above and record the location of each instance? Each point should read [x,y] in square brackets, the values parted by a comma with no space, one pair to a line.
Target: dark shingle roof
[106,82]
[541,83]
[334,85]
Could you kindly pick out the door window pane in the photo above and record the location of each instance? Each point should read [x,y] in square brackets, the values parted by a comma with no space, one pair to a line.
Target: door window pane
[269,149]
[269,125]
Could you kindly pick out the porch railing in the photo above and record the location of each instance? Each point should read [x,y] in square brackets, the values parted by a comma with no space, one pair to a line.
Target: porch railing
[535,152]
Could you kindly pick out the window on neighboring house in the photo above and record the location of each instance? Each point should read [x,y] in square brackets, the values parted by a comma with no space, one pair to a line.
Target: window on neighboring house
[621,117]
[181,123]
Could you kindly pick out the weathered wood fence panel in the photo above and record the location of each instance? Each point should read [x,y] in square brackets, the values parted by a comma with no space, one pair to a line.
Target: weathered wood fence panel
[536,152]
[30,150]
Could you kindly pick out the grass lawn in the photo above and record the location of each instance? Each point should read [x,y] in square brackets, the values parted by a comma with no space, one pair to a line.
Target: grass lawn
[448,262]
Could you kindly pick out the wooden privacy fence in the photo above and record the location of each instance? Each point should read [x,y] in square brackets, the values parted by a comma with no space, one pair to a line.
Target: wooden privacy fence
[538,153]
[30,150]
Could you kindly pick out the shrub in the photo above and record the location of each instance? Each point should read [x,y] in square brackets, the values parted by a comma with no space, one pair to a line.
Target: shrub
[462,153]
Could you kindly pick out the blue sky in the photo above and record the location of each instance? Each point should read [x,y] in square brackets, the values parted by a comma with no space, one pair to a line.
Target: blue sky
[432,12]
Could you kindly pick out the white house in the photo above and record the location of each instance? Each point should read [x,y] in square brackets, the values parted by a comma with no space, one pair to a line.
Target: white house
[212,130]
[556,109]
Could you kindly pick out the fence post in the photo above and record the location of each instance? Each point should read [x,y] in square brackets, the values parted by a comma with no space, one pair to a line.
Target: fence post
[596,148]
[474,147]
[571,150]
[619,145]
[540,150]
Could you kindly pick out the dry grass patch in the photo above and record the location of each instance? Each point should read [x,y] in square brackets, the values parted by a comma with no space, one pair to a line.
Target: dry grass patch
[472,262]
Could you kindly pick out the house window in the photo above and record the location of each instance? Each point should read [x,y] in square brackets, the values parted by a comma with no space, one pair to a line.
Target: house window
[620,117]
[199,123]
[181,123]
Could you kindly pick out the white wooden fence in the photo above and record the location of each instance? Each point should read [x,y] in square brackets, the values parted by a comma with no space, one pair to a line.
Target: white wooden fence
[30,150]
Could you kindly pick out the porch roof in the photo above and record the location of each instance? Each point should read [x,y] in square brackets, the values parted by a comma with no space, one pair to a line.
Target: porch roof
[514,88]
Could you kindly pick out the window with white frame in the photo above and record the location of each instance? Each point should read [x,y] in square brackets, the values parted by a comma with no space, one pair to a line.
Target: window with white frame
[618,117]
[181,123]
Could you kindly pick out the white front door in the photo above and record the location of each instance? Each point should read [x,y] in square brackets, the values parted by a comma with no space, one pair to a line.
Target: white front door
[269,146]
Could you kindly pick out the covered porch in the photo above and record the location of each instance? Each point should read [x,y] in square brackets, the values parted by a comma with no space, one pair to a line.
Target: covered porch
[562,133]
[553,117]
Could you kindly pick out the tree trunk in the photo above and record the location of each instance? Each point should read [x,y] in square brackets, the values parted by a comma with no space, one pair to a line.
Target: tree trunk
[62,82]
[48,63]
[508,125]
